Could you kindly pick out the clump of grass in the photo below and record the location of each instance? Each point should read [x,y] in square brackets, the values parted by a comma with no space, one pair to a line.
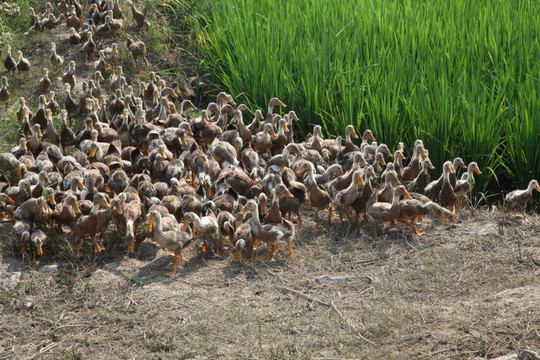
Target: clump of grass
[460,76]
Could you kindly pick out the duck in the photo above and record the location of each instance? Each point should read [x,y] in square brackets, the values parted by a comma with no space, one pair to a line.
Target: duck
[172,240]
[137,49]
[413,169]
[344,199]
[207,226]
[50,135]
[243,241]
[349,146]
[69,76]
[139,17]
[4,92]
[5,201]
[318,195]
[457,163]
[274,213]
[30,209]
[381,212]
[465,185]
[272,103]
[447,195]
[73,21]
[74,37]
[360,204]
[89,47]
[411,209]
[23,65]
[422,179]
[55,59]
[271,233]
[518,198]
[227,225]
[9,61]
[87,225]
[262,141]
[66,213]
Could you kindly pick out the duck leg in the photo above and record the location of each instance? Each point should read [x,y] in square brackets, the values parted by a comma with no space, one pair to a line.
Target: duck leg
[299,222]
[217,246]
[318,226]
[204,248]
[510,214]
[176,262]
[375,230]
[76,248]
[291,253]
[412,225]
[97,246]
[330,214]
[231,239]
[525,219]
[239,256]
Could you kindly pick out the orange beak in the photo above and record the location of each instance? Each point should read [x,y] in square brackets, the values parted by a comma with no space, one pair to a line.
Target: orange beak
[11,201]
[354,135]
[239,256]
[40,250]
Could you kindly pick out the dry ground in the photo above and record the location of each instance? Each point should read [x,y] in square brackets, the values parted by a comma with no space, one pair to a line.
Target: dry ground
[469,290]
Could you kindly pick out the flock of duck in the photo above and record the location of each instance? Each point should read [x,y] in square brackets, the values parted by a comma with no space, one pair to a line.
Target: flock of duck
[196,177]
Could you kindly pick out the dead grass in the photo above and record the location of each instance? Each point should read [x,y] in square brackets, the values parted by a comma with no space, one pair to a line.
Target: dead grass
[460,291]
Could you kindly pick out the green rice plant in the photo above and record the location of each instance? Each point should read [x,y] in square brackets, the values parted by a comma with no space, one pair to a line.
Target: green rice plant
[461,76]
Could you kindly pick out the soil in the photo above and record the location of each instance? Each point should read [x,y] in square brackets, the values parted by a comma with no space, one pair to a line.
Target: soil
[468,290]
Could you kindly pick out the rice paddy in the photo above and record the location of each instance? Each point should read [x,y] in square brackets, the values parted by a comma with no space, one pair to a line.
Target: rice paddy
[461,76]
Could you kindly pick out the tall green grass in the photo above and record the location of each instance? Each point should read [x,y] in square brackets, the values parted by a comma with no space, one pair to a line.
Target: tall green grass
[461,75]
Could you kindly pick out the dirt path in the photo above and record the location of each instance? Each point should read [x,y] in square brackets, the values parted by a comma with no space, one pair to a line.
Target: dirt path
[460,291]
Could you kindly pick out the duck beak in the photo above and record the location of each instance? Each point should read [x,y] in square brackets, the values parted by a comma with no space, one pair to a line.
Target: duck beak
[239,256]
[185,227]
[383,162]
[364,161]
[77,208]
[280,103]
[149,224]
[477,170]
[285,127]
[264,209]
[92,153]
[163,154]
[40,134]
[11,201]
[105,203]
[245,210]
[272,132]
[81,186]
[431,166]
[361,181]
[354,135]
[407,195]
[371,137]
[260,115]
[301,170]
[40,250]
[52,201]
[119,210]
[288,194]
[442,219]
[537,188]
[43,209]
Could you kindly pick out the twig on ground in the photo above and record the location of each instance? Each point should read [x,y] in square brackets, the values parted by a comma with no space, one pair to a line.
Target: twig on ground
[302,295]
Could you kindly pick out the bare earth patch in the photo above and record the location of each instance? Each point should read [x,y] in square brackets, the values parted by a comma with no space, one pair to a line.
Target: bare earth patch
[464,291]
